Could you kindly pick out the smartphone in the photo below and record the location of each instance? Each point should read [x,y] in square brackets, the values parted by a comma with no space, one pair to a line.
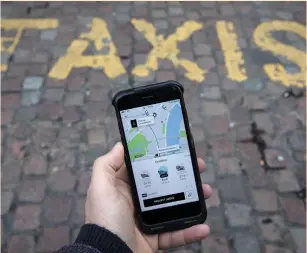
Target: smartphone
[160,157]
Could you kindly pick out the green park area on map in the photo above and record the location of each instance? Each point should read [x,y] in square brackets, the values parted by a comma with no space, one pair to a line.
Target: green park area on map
[138,146]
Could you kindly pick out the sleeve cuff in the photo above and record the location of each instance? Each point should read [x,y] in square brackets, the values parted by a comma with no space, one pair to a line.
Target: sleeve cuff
[101,239]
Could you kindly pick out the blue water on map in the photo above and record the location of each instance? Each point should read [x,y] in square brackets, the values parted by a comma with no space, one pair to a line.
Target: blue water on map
[173,126]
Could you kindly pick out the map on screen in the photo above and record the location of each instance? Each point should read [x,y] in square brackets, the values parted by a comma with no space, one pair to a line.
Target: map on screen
[155,130]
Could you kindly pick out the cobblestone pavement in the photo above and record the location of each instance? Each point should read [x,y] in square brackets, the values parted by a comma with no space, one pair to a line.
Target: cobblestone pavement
[247,112]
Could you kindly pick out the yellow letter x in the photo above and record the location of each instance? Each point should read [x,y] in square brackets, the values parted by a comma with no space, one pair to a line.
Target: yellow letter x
[75,58]
[167,49]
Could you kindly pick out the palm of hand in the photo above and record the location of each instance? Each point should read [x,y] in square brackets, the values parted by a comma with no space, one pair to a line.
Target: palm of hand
[116,211]
[142,242]
[109,204]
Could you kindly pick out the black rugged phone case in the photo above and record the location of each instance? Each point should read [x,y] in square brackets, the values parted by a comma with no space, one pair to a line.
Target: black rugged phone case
[170,225]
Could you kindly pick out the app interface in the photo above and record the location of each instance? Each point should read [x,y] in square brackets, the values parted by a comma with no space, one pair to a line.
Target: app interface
[160,156]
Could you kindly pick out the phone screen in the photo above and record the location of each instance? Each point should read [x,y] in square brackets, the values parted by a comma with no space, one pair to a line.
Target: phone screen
[159,152]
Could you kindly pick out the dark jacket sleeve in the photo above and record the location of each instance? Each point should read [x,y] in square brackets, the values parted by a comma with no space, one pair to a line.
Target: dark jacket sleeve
[95,239]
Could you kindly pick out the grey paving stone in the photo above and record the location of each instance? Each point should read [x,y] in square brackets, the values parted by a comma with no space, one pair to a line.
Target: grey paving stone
[300,45]
[293,37]
[30,98]
[227,10]
[238,214]
[284,15]
[161,24]
[214,108]
[273,228]
[5,57]
[202,49]
[242,43]
[232,189]
[175,11]
[296,140]
[285,180]
[208,176]
[82,20]
[123,8]
[211,92]
[159,14]
[58,51]
[74,98]
[291,68]
[25,113]
[33,83]
[122,18]
[49,34]
[216,221]
[299,237]
[253,85]
[246,243]
[6,201]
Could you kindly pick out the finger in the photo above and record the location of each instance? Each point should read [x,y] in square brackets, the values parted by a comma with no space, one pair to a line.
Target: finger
[207,190]
[112,160]
[183,237]
[122,174]
[201,164]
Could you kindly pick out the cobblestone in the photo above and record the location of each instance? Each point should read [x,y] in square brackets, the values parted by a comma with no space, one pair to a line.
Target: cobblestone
[53,239]
[238,214]
[286,181]
[208,176]
[32,190]
[62,181]
[36,165]
[229,165]
[6,116]
[25,114]
[49,111]
[74,98]
[216,244]
[54,94]
[265,200]
[27,217]
[232,189]
[246,243]
[32,83]
[48,35]
[296,140]
[273,228]
[57,209]
[217,125]
[71,114]
[20,243]
[294,209]
[30,98]
[274,249]
[299,236]
[6,201]
[84,182]
[211,92]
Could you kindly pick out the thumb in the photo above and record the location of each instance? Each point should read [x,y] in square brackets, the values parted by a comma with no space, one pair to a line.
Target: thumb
[112,160]
[115,158]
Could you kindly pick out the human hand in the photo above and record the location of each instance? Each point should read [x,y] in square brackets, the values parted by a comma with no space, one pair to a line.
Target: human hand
[109,204]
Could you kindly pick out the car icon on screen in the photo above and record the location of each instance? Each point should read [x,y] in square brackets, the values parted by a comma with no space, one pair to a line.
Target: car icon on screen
[144,175]
[163,171]
[180,168]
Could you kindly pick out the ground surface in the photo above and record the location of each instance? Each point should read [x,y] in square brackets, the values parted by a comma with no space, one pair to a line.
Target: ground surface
[247,124]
